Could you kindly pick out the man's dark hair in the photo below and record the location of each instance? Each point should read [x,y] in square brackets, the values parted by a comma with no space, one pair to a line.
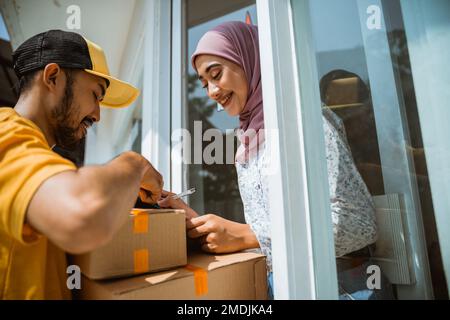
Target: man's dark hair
[26,81]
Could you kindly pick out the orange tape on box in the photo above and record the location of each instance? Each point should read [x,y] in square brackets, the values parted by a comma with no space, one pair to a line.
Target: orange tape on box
[141,256]
[140,223]
[200,279]
[141,261]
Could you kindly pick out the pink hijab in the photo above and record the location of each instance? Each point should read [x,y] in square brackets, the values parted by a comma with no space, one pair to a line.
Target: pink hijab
[238,42]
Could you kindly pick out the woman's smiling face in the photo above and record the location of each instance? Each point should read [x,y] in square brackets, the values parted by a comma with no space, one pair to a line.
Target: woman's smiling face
[224,81]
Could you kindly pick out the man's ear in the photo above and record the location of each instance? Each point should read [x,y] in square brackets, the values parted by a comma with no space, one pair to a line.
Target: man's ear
[52,76]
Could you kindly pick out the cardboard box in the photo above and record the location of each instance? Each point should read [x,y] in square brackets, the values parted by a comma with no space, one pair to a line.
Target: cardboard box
[151,240]
[240,276]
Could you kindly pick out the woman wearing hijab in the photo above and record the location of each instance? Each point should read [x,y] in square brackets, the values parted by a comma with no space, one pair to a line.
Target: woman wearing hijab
[228,65]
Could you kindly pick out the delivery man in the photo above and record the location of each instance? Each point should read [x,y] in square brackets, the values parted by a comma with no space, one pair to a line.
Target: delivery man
[47,205]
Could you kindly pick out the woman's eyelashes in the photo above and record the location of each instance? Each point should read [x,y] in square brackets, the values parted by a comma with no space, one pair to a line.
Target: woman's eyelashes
[214,76]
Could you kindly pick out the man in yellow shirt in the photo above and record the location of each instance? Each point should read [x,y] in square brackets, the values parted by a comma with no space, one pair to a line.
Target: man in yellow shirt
[47,206]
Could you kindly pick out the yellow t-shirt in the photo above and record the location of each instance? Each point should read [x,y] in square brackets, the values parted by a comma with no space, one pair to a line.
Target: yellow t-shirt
[31,267]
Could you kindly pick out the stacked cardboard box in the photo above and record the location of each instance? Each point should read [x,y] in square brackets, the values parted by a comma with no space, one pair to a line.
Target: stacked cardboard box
[149,256]
[238,276]
[150,240]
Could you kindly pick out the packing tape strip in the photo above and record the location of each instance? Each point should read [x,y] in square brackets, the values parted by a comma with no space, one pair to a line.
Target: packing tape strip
[141,258]
[140,223]
[200,279]
[136,212]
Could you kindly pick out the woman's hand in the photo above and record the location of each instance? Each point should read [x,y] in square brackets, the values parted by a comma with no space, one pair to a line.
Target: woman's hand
[220,235]
[166,201]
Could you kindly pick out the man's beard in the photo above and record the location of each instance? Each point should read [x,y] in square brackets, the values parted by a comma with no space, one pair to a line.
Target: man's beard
[65,117]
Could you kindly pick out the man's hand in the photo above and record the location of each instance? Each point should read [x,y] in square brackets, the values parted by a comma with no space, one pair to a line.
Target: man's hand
[151,185]
[219,235]
[166,201]
[96,201]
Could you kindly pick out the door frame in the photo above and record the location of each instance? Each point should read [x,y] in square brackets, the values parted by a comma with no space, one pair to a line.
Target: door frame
[156,114]
[304,262]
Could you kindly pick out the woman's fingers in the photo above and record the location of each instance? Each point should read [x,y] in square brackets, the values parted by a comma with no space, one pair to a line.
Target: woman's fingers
[199,231]
[166,193]
[202,240]
[189,224]
[198,221]
[165,197]
[166,201]
[190,213]
[208,247]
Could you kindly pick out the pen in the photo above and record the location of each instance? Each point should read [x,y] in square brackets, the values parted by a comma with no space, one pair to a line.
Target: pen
[184,194]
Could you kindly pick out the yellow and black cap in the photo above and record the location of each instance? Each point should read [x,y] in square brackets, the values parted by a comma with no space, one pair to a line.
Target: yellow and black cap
[71,50]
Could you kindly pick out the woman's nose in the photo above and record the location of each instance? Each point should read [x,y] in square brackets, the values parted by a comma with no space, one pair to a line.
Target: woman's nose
[213,91]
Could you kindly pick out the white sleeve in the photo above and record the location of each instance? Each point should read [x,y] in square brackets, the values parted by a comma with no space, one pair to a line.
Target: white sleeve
[352,209]
[254,193]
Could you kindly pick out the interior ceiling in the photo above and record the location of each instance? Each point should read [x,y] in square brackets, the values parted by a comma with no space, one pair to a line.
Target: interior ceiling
[105,22]
[199,11]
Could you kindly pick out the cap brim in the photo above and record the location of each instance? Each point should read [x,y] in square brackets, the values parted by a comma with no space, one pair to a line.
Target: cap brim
[119,93]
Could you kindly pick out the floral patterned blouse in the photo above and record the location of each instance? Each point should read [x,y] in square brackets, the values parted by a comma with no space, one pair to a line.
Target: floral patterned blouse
[352,209]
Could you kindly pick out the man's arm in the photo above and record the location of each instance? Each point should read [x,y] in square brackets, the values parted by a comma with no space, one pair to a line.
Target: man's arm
[81,210]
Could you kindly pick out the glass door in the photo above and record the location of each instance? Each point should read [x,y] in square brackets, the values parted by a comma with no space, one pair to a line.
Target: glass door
[359,61]
[362,76]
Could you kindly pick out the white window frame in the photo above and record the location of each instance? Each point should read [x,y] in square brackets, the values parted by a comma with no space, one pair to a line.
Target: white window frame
[179,99]
[427,46]
[156,117]
[304,265]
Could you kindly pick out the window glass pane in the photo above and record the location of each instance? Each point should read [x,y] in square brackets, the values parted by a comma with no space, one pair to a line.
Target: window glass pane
[8,80]
[3,32]
[381,205]
[427,30]
[216,184]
